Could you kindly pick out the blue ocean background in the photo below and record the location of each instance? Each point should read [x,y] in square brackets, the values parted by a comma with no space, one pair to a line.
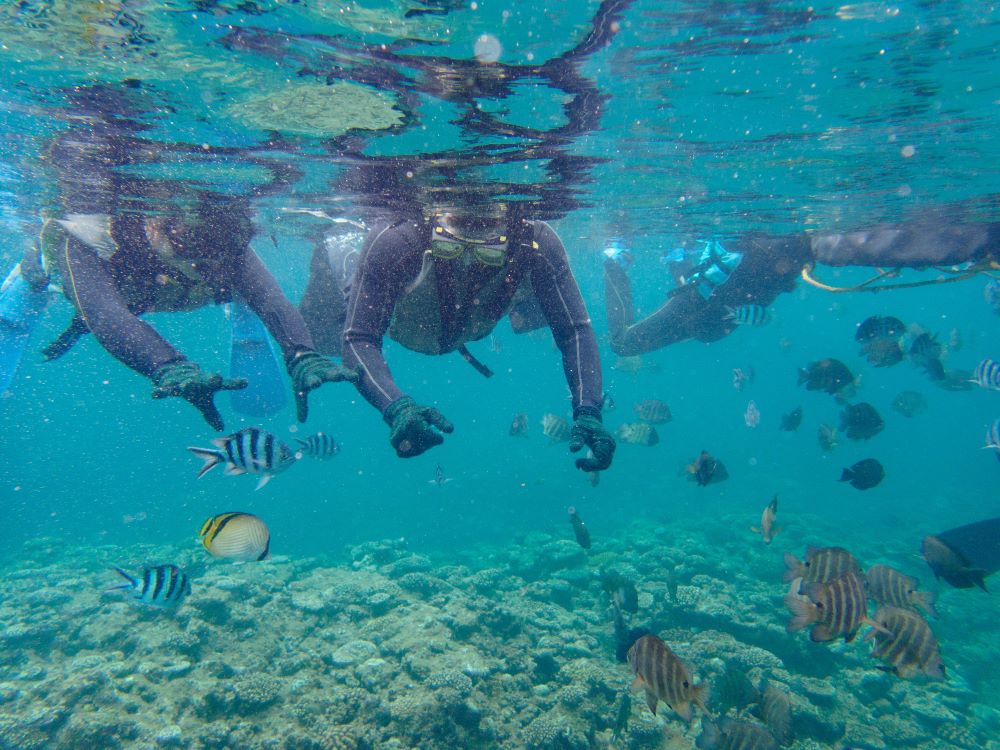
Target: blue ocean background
[720,119]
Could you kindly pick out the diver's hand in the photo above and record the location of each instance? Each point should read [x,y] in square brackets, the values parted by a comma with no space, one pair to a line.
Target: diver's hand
[588,430]
[185,379]
[414,429]
[309,370]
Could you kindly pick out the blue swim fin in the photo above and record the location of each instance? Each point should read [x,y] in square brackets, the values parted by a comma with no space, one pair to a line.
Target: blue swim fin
[252,356]
[20,308]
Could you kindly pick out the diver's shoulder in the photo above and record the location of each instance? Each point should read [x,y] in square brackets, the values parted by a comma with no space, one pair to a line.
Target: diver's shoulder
[405,231]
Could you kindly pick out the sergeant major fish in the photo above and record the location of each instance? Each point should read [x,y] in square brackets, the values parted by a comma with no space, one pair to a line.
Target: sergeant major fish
[164,586]
[638,433]
[886,585]
[821,564]
[555,428]
[319,446]
[837,607]
[251,450]
[653,411]
[748,315]
[733,734]
[663,676]
[904,641]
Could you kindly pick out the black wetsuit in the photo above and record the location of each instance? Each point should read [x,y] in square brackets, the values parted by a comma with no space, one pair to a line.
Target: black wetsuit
[468,299]
[771,265]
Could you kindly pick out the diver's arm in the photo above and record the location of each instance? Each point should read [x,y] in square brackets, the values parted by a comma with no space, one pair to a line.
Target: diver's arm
[258,288]
[909,245]
[389,261]
[559,296]
[91,288]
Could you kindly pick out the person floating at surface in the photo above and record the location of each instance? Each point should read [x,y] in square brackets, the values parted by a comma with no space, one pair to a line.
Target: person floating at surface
[720,283]
[124,246]
[434,284]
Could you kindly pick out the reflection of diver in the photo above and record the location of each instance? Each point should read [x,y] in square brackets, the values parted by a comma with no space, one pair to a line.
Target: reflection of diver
[755,270]
[436,284]
[23,297]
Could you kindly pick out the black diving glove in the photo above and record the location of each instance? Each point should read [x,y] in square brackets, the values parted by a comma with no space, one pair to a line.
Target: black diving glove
[588,430]
[412,427]
[309,370]
[185,379]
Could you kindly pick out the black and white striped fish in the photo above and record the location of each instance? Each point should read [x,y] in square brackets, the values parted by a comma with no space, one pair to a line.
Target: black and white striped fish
[163,586]
[251,450]
[319,445]
[748,315]
[987,375]
[993,437]
[837,607]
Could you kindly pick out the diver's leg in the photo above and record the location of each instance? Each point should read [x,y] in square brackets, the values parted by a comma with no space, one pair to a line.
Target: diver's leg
[617,302]
[324,304]
[90,287]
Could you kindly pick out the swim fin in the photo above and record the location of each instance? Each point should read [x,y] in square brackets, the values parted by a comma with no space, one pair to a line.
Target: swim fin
[20,308]
[252,356]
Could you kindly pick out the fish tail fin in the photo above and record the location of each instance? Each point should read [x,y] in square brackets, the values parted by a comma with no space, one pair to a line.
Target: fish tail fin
[793,568]
[977,576]
[845,475]
[803,612]
[925,600]
[700,697]
[803,375]
[773,505]
[265,478]
[130,581]
[211,457]
[302,444]
[872,624]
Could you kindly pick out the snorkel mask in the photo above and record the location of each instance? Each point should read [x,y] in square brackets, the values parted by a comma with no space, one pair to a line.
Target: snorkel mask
[451,239]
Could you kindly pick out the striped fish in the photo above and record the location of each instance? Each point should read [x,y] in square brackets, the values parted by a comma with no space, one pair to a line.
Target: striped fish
[164,586]
[319,445]
[821,564]
[987,375]
[748,315]
[251,450]
[905,642]
[555,428]
[732,734]
[887,585]
[236,536]
[838,607]
[776,710]
[653,410]
[664,677]
[993,437]
[638,433]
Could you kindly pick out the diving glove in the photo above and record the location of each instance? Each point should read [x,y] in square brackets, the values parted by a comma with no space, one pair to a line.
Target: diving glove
[185,379]
[309,370]
[412,427]
[588,430]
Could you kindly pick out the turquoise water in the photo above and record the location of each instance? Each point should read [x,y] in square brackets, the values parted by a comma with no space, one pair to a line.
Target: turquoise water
[660,123]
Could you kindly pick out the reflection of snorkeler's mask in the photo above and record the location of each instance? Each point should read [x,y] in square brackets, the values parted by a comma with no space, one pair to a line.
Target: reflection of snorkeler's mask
[490,252]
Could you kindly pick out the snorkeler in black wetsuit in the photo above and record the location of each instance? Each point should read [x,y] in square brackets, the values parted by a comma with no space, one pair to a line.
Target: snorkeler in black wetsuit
[434,285]
[761,268]
[117,264]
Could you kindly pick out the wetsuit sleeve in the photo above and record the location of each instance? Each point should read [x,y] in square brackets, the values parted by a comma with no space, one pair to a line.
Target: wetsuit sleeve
[258,288]
[389,261]
[559,296]
[92,289]
[914,245]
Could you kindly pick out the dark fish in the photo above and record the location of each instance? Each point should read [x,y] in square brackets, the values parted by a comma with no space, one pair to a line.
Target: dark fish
[653,410]
[776,710]
[864,475]
[826,436]
[732,734]
[519,426]
[925,352]
[555,428]
[579,528]
[625,637]
[883,352]
[621,591]
[910,403]
[706,470]
[838,607]
[164,586]
[622,715]
[886,585]
[965,555]
[236,536]
[733,690]
[879,327]
[790,422]
[319,446]
[672,585]
[830,375]
[664,677]
[987,374]
[748,315]
[638,433]
[905,642]
[251,450]
[861,421]
[821,564]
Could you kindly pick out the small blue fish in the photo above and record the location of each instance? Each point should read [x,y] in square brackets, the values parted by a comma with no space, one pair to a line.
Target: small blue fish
[319,445]
[748,315]
[987,374]
[164,586]
[251,450]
